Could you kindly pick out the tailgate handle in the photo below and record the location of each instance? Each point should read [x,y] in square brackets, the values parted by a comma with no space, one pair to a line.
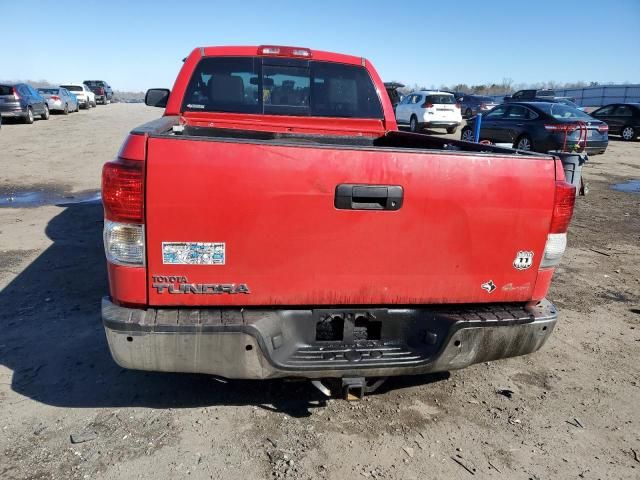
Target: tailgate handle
[351,196]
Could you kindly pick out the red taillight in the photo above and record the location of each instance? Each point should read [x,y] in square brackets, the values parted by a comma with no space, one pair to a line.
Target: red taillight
[427,105]
[457,105]
[561,127]
[100,91]
[604,128]
[122,191]
[54,97]
[280,51]
[565,197]
[15,93]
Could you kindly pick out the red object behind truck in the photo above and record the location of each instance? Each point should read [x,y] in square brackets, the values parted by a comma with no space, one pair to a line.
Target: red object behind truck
[275,223]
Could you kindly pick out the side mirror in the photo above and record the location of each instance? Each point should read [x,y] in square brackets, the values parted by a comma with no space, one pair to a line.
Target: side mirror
[157,97]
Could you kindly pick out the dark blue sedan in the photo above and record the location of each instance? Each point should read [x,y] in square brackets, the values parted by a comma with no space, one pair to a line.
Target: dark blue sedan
[541,127]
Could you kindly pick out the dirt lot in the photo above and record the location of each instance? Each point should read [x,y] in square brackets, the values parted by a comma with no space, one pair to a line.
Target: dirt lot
[574,412]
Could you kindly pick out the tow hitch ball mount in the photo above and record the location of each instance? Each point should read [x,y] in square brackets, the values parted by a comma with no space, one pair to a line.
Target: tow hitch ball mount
[351,388]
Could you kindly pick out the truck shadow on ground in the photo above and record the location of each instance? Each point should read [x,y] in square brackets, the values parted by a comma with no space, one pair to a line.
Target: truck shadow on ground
[54,344]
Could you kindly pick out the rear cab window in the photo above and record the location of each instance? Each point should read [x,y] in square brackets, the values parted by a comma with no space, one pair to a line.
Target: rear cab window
[276,86]
[6,89]
[73,88]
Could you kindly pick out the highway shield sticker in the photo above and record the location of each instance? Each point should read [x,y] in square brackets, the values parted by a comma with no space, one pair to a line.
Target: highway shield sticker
[193,253]
[523,260]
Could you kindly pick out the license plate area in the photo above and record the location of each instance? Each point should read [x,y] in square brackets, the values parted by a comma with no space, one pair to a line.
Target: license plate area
[348,326]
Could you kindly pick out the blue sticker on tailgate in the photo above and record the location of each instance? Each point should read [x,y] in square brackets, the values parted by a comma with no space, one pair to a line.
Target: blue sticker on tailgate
[193,253]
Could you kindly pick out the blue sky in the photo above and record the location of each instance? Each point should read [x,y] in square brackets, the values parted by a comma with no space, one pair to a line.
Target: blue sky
[139,44]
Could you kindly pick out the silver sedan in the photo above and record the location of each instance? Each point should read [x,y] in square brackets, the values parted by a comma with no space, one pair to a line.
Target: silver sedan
[60,99]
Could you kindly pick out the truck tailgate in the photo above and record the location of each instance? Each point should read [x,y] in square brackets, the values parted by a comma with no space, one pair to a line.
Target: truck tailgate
[232,223]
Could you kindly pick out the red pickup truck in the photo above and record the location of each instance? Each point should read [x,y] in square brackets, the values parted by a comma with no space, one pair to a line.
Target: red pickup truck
[275,223]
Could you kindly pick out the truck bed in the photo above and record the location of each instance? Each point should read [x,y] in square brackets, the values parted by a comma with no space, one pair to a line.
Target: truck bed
[392,139]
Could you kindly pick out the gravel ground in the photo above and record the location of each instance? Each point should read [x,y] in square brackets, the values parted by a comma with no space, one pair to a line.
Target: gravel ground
[574,411]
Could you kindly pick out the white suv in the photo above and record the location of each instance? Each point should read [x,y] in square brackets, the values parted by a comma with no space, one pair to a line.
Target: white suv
[429,109]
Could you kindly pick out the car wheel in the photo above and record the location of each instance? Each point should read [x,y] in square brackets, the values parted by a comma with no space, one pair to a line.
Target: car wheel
[523,143]
[413,124]
[45,115]
[628,133]
[467,134]
[452,130]
[66,109]
[94,104]
[468,113]
[29,118]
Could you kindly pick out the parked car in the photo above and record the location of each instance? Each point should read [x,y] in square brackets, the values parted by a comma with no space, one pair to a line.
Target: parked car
[386,253]
[471,105]
[540,127]
[530,94]
[86,98]
[20,100]
[392,91]
[429,109]
[623,119]
[102,90]
[60,99]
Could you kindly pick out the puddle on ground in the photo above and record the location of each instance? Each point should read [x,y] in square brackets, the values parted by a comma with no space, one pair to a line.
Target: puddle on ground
[630,186]
[44,195]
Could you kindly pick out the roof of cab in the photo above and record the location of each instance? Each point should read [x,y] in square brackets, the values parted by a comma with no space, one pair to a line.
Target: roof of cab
[252,51]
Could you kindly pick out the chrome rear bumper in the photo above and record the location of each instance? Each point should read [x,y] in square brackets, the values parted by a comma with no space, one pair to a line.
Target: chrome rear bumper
[375,342]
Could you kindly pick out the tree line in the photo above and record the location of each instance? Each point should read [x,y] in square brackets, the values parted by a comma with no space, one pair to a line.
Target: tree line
[506,86]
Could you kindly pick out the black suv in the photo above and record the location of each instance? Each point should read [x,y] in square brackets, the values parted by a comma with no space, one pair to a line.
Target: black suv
[19,100]
[102,89]
[529,95]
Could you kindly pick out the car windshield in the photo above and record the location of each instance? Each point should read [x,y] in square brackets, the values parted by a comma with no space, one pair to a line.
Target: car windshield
[6,90]
[486,99]
[281,87]
[48,91]
[562,112]
[441,99]
[94,83]
[73,88]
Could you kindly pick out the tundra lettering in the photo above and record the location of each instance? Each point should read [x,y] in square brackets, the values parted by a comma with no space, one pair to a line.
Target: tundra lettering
[201,288]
